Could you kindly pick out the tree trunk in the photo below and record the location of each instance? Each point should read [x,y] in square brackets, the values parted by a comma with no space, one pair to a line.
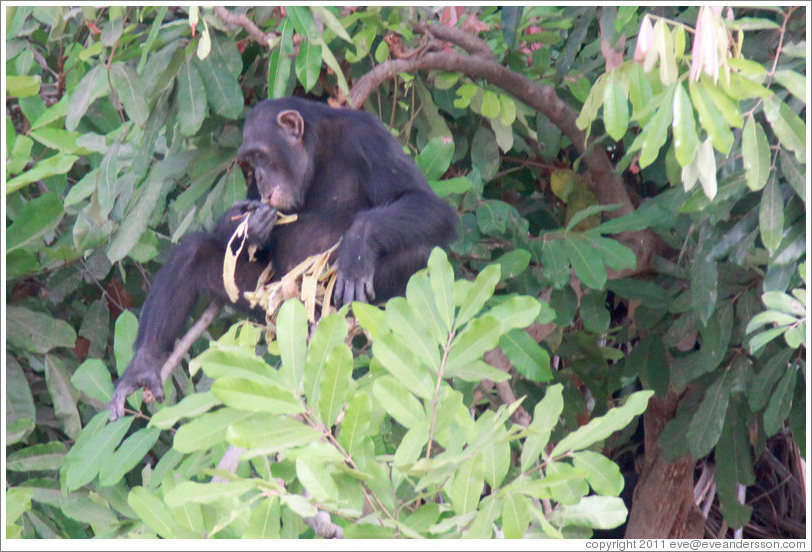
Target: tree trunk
[663,505]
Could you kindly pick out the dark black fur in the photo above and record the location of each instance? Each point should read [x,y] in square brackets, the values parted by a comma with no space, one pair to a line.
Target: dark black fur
[346,177]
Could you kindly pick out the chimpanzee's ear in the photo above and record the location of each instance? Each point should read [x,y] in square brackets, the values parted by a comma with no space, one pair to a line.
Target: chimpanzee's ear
[292,124]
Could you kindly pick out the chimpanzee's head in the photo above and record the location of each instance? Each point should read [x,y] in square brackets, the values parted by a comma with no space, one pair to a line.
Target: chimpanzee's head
[274,151]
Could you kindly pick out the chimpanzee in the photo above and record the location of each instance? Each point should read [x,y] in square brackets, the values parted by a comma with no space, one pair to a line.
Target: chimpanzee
[346,177]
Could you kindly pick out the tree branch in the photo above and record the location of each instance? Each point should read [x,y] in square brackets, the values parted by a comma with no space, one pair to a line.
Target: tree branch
[467,41]
[185,343]
[242,21]
[606,184]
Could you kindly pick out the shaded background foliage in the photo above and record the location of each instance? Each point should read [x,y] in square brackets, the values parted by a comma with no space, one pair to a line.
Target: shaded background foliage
[122,126]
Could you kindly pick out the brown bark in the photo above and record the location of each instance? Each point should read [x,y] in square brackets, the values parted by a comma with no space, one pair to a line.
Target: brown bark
[605,182]
[663,504]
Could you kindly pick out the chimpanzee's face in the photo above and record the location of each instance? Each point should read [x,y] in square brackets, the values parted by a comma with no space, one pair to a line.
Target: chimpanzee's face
[273,153]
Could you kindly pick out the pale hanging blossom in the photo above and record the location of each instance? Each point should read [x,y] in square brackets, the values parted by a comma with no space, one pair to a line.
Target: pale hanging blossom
[709,39]
[645,37]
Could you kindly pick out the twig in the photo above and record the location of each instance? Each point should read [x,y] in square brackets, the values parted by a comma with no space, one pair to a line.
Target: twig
[242,21]
[185,343]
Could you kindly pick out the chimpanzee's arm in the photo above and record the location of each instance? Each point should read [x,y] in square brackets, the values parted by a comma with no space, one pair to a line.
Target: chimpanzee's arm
[400,233]
[194,267]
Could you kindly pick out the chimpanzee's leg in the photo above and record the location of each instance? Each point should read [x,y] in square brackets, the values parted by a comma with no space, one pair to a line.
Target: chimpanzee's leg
[393,270]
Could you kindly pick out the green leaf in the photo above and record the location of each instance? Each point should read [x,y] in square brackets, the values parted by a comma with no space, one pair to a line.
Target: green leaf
[330,332]
[38,217]
[518,311]
[399,360]
[93,379]
[771,216]
[555,261]
[86,460]
[466,488]
[479,293]
[371,318]
[755,154]
[129,455]
[600,428]
[594,314]
[205,493]
[191,99]
[308,63]
[420,296]
[130,92]
[794,173]
[316,480]
[332,63]
[761,387]
[265,520]
[406,323]
[545,418]
[615,109]
[57,139]
[515,515]
[22,86]
[528,357]
[727,107]
[291,334]
[355,423]
[710,118]
[664,43]
[587,263]
[280,62]
[684,126]
[792,81]
[704,289]
[37,332]
[613,253]
[264,434]
[706,425]
[780,403]
[60,163]
[490,105]
[90,88]
[656,132]
[46,456]
[435,158]
[584,214]
[223,91]
[604,475]
[411,446]
[191,406]
[153,511]
[398,402]
[478,337]
[441,276]
[331,21]
[336,384]
[596,512]
[485,153]
[256,396]
[207,430]
[788,127]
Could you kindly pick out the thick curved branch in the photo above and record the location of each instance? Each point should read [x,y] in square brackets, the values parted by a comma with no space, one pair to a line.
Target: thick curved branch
[607,185]
[467,41]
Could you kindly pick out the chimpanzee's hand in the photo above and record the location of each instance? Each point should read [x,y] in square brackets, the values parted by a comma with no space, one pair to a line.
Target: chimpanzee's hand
[354,280]
[143,372]
[263,218]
